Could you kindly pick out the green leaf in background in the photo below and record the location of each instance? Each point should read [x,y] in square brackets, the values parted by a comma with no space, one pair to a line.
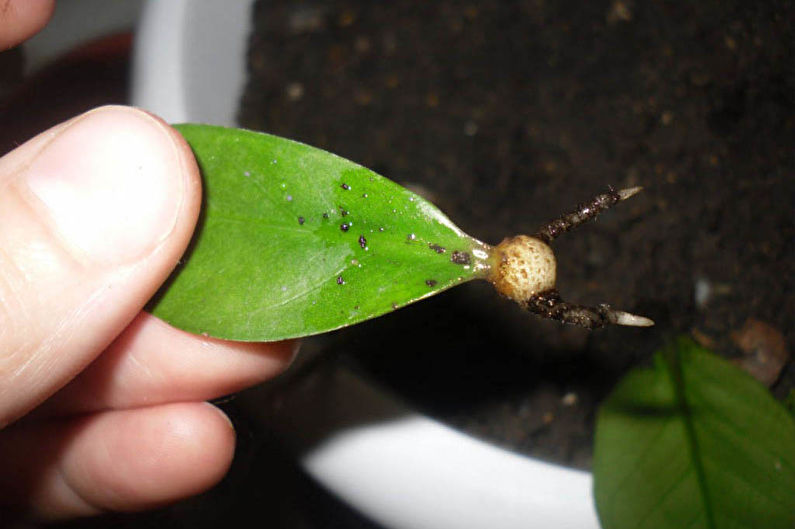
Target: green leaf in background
[789,402]
[694,443]
[296,241]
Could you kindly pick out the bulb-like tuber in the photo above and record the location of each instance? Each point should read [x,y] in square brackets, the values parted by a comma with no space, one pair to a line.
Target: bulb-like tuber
[523,268]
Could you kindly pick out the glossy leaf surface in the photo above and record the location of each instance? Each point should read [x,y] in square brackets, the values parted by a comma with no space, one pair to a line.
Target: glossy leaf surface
[296,241]
[694,442]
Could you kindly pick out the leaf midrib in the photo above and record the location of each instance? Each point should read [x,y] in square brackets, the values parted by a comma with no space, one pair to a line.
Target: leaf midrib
[673,363]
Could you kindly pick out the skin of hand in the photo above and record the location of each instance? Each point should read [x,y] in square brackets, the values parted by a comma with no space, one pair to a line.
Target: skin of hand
[102,406]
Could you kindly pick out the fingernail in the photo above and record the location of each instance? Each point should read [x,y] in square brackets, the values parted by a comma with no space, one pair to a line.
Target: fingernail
[112,184]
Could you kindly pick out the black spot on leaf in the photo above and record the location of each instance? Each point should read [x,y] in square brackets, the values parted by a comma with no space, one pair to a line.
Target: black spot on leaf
[461,258]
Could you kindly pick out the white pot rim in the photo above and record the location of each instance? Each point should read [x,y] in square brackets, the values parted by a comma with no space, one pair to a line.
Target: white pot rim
[412,472]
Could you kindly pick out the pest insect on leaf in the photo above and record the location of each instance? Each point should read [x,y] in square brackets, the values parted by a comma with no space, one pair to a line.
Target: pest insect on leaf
[294,241]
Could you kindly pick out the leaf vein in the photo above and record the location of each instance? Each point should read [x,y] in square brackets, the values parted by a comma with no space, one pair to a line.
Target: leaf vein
[656,505]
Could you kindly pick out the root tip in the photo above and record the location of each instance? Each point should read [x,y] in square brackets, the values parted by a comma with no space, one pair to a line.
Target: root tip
[632,320]
[629,192]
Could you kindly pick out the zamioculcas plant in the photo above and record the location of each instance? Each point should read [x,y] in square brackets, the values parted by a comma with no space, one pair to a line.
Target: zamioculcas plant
[294,241]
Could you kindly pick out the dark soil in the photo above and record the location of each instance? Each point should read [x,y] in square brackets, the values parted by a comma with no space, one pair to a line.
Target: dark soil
[506,114]
[93,74]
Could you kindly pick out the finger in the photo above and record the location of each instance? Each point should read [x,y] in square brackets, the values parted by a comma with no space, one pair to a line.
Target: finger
[94,215]
[21,19]
[120,460]
[154,363]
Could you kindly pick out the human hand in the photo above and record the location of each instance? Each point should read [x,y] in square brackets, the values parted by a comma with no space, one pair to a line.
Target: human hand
[102,403]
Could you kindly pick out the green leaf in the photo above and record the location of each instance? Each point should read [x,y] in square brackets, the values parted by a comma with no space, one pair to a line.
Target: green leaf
[789,402]
[295,241]
[694,443]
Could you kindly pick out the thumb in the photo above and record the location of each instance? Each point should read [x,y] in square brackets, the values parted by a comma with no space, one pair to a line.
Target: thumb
[94,215]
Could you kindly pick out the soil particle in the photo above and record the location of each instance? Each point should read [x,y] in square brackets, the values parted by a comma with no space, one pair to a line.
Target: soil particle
[436,248]
[764,350]
[431,282]
[461,258]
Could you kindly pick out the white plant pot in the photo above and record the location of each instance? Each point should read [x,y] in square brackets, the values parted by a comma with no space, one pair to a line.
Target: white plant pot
[397,467]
